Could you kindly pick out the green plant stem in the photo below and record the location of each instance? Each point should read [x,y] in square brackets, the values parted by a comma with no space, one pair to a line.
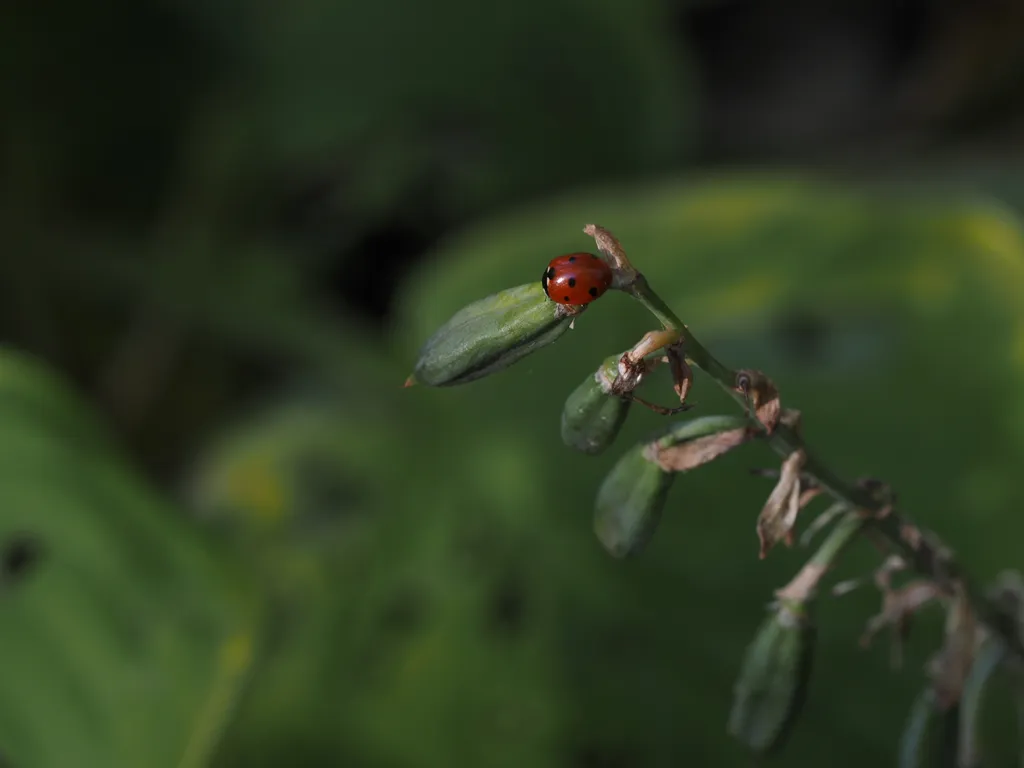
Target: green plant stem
[803,585]
[641,290]
[921,551]
[837,540]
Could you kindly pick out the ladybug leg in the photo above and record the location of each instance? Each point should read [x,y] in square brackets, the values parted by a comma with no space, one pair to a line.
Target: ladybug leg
[636,362]
[660,409]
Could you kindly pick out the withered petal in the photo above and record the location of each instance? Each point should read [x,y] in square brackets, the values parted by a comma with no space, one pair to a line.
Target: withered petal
[954,661]
[692,453]
[807,495]
[776,521]
[682,374]
[898,605]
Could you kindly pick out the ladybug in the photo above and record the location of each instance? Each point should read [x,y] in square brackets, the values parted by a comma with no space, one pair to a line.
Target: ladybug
[576,278]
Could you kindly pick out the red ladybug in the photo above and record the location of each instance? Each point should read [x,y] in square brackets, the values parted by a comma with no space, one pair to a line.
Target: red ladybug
[576,278]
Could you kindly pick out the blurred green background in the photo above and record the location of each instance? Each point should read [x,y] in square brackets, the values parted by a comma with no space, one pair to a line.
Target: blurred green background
[231,538]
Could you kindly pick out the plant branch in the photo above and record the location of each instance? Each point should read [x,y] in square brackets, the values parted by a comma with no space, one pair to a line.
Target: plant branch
[921,550]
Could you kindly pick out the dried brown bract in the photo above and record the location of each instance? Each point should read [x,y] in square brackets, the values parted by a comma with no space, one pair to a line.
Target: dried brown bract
[776,521]
[951,665]
[693,453]
[898,607]
[612,249]
[682,374]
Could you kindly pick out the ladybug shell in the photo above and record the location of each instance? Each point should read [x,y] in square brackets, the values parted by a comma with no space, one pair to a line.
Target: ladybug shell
[576,278]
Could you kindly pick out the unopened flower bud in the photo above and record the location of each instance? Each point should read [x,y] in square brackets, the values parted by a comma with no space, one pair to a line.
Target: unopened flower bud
[491,334]
[593,413]
[630,501]
[773,680]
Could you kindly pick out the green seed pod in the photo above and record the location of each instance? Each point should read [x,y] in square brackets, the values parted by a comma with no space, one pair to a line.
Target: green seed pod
[988,661]
[592,416]
[930,738]
[489,335]
[772,685]
[914,741]
[630,501]
[937,735]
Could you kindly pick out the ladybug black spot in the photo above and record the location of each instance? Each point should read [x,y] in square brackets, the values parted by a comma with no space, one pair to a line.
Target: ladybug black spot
[572,259]
[593,291]
[572,282]
[566,298]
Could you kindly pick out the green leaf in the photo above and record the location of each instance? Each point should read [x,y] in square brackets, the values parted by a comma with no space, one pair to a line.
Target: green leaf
[128,642]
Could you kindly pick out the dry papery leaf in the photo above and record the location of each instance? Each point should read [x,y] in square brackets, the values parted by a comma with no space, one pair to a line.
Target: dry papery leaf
[610,246]
[882,576]
[898,606]
[776,521]
[692,453]
[952,664]
[763,396]
[682,374]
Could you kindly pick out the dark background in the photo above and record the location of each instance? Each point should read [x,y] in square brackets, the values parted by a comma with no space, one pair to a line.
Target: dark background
[227,225]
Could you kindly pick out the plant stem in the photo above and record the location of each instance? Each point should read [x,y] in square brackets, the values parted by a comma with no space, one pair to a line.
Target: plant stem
[844,532]
[803,585]
[641,290]
[920,550]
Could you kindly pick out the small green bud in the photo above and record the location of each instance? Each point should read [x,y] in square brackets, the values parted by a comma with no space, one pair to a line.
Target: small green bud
[630,502]
[490,334]
[593,415]
[772,685]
